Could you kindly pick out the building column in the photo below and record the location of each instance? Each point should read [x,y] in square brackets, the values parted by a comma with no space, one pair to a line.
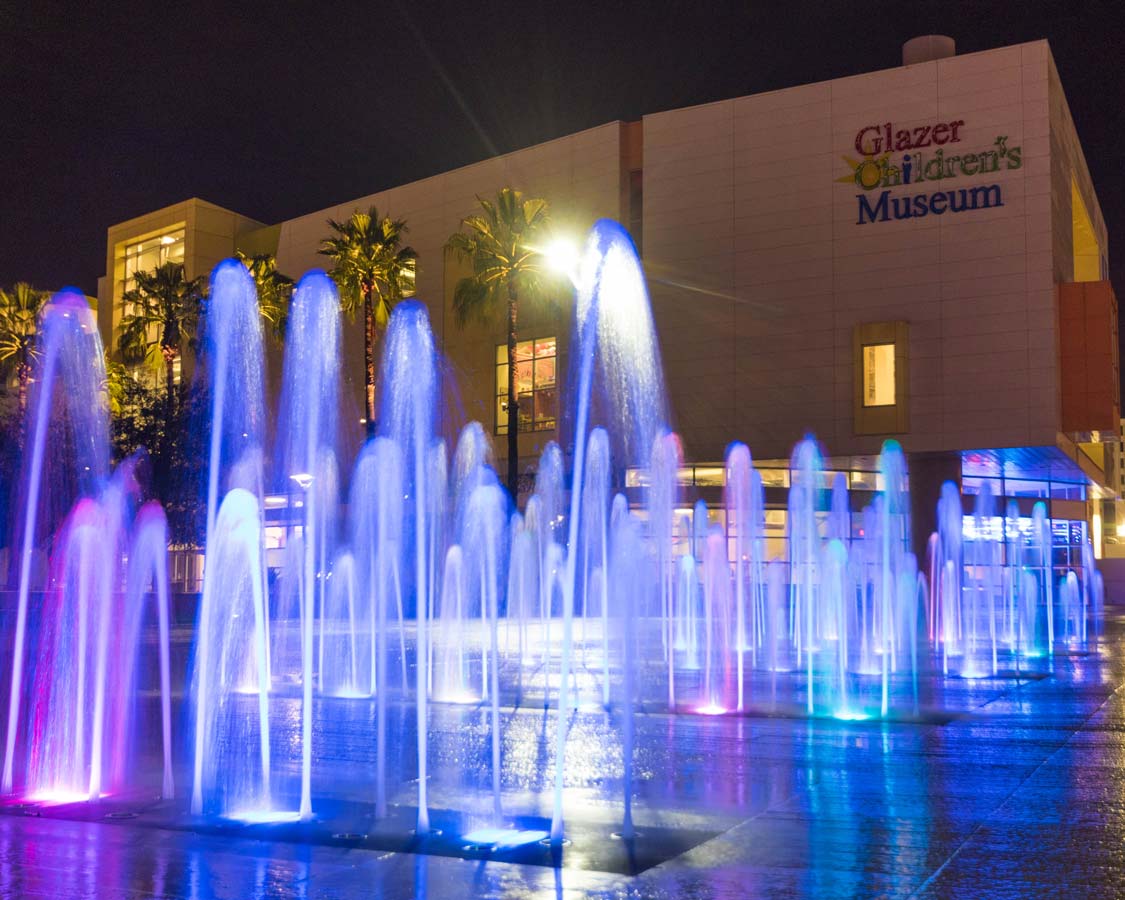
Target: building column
[928,472]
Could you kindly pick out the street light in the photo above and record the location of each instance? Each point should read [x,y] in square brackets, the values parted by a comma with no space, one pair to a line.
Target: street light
[563,256]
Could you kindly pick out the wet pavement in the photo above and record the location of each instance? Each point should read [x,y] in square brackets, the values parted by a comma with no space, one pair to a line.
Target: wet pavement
[1018,792]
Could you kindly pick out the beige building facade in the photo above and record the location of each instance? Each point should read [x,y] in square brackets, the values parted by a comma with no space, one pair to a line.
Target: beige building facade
[916,253]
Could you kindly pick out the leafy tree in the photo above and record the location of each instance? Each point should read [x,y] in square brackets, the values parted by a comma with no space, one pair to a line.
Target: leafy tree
[274,290]
[19,324]
[503,244]
[373,271]
[174,449]
[164,310]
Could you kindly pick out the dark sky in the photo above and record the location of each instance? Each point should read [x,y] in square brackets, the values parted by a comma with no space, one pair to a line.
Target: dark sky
[278,109]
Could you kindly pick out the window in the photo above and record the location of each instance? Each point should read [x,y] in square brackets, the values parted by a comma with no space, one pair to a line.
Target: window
[151,253]
[535,385]
[879,375]
[880,362]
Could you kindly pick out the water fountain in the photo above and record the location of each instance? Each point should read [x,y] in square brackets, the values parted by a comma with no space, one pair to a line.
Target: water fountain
[429,599]
[77,631]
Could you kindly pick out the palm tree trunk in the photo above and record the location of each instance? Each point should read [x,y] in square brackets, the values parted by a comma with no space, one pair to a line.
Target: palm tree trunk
[169,387]
[23,374]
[369,361]
[513,399]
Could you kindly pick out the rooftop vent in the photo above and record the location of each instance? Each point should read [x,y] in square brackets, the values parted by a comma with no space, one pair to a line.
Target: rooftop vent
[926,48]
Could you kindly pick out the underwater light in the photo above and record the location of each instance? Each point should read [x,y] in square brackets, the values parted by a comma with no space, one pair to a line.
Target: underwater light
[463,697]
[848,715]
[502,837]
[60,796]
[264,816]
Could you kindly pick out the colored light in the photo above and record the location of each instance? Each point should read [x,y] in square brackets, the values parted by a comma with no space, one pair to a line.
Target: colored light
[59,796]
[265,816]
[502,837]
[848,715]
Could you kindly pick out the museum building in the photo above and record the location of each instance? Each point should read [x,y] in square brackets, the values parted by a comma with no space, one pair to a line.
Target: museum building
[914,254]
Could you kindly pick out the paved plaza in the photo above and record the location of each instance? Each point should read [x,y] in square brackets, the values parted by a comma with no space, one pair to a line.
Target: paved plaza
[1018,790]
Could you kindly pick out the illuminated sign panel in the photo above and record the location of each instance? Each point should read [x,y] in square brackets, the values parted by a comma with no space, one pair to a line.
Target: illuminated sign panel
[893,157]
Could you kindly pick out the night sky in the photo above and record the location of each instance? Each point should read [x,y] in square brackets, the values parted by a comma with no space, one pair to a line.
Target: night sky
[279,109]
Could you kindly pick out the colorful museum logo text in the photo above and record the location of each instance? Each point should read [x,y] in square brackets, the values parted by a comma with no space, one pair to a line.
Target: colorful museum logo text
[892,157]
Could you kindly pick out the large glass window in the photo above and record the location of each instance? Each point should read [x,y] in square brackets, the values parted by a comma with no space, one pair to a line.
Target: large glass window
[879,375]
[535,385]
[151,253]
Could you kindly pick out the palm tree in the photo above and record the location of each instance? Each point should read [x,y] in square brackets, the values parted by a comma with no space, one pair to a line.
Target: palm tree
[274,290]
[19,321]
[164,310]
[503,243]
[373,271]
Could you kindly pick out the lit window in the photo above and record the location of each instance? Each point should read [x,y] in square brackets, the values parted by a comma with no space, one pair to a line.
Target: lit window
[151,253]
[535,385]
[879,375]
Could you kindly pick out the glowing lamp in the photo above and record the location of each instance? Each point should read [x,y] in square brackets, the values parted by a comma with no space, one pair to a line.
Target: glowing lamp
[303,479]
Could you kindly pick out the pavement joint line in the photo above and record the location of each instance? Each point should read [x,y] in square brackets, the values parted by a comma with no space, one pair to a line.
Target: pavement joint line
[917,892]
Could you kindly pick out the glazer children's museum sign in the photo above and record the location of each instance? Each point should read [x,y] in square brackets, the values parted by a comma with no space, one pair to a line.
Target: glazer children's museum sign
[893,157]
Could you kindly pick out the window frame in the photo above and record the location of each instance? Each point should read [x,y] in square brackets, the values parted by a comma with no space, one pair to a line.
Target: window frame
[889,418]
[501,388]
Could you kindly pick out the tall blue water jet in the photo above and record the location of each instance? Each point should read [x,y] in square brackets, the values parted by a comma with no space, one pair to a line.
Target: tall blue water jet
[64,758]
[981,620]
[595,542]
[232,757]
[67,414]
[804,552]
[743,499]
[472,458]
[716,622]
[342,632]
[233,368]
[408,409]
[439,536]
[665,461]
[627,584]
[837,588]
[947,575]
[148,568]
[687,606]
[452,681]
[523,589]
[613,326]
[310,399]
[472,468]
[894,532]
[1042,542]
[545,512]
[486,523]
[376,504]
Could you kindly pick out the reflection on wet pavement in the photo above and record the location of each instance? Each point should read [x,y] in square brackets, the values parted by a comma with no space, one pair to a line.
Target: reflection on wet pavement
[1020,793]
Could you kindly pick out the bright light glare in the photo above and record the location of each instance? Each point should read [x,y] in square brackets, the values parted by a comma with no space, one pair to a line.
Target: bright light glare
[264,816]
[711,709]
[58,796]
[503,837]
[457,697]
[847,715]
[562,256]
